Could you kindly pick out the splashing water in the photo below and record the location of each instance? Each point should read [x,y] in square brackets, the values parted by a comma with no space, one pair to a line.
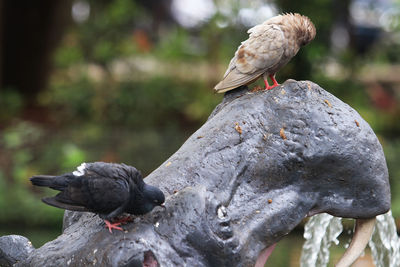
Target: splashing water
[385,244]
[323,229]
[320,231]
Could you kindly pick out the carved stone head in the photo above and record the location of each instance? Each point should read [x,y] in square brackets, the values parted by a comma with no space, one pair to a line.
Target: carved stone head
[261,163]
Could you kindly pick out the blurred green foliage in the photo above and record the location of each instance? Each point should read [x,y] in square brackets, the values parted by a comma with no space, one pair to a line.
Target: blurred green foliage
[125,90]
[10,104]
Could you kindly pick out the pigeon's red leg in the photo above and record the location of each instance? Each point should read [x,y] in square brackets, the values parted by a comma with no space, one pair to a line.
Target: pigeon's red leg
[267,87]
[117,222]
[264,255]
[274,81]
[123,220]
[113,226]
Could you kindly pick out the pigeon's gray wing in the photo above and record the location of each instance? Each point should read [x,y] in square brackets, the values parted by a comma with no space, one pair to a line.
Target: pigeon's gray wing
[92,193]
[55,202]
[114,170]
[262,51]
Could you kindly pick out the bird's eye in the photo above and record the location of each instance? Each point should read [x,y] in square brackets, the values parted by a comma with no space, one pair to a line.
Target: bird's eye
[155,201]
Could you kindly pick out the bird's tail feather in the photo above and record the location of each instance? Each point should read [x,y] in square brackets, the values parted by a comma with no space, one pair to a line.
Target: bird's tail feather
[54,182]
[42,180]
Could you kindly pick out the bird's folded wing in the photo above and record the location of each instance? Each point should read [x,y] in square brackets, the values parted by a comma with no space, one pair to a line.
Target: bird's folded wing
[262,51]
[235,79]
[97,194]
[53,201]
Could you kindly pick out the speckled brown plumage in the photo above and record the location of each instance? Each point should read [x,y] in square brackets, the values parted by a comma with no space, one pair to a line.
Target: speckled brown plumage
[270,47]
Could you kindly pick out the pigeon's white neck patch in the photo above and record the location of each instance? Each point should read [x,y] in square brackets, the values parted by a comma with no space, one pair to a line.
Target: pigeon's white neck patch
[80,170]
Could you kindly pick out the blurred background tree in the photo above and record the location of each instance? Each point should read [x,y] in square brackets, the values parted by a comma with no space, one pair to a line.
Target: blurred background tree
[129,80]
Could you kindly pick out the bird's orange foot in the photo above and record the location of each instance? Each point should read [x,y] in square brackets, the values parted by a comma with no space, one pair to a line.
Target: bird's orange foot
[275,83]
[113,225]
[123,220]
[269,87]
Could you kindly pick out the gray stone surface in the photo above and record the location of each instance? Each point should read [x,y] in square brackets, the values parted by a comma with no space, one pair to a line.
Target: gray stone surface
[231,192]
[70,217]
[14,248]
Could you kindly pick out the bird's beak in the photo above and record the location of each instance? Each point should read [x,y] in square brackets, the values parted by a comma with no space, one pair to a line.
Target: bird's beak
[163,206]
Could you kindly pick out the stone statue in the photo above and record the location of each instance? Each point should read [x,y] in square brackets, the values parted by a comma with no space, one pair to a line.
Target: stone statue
[261,163]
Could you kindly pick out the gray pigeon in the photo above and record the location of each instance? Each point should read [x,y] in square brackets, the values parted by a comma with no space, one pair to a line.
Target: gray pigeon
[107,189]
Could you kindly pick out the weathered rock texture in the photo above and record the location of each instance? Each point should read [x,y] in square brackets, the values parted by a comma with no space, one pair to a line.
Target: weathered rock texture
[14,248]
[260,164]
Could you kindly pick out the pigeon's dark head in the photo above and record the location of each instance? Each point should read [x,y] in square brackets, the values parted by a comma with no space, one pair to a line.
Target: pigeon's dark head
[153,197]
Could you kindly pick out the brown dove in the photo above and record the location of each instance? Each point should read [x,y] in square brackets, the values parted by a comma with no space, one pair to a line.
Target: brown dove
[270,47]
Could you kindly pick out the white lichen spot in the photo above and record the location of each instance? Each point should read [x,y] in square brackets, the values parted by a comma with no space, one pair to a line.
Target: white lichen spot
[69,262]
[221,212]
[94,251]
[156,224]
[168,163]
[80,170]
[257,211]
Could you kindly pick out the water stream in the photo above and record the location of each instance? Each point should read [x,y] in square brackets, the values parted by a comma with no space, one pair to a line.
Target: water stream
[323,229]
[385,243]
